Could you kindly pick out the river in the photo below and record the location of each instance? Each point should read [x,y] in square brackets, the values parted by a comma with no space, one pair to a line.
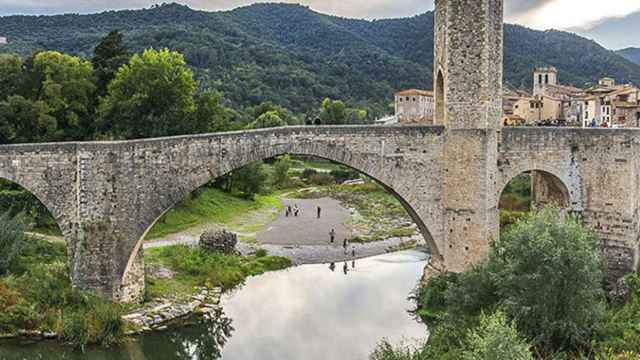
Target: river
[309,312]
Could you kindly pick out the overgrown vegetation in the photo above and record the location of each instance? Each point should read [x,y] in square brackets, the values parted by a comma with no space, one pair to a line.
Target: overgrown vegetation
[541,289]
[196,267]
[209,205]
[36,293]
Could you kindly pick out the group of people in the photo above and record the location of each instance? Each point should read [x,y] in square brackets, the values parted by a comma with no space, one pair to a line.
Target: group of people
[295,211]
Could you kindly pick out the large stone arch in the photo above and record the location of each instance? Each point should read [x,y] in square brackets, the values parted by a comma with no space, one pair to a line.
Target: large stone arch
[391,173]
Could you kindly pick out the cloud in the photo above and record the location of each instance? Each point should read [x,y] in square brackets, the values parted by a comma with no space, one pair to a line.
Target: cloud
[572,14]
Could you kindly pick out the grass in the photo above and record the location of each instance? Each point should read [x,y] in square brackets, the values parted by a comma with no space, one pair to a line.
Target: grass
[210,205]
[196,267]
[37,295]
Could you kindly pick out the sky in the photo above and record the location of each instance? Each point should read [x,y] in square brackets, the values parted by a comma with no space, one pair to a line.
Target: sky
[613,23]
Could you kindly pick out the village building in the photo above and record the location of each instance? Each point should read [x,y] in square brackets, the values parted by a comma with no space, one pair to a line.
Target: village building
[3,40]
[414,106]
[542,78]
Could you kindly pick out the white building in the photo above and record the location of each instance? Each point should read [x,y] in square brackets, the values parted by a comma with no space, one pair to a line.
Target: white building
[414,106]
[3,40]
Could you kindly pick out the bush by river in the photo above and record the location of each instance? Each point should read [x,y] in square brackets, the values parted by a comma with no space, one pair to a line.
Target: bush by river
[538,295]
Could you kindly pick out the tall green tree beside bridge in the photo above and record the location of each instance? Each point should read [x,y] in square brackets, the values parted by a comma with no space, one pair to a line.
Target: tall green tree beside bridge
[155,94]
[152,95]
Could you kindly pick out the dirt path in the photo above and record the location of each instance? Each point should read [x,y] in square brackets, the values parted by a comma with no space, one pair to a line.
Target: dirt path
[307,228]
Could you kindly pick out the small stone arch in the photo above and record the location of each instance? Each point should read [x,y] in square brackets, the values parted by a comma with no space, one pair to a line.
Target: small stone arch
[547,188]
[335,154]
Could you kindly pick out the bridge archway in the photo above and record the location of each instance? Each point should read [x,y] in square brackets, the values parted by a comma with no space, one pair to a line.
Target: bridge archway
[43,212]
[532,189]
[133,274]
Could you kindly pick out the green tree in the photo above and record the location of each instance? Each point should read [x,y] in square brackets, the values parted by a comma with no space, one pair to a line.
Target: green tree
[67,88]
[12,231]
[109,55]
[210,116]
[548,272]
[281,172]
[269,119]
[248,180]
[23,120]
[10,75]
[333,112]
[496,338]
[152,95]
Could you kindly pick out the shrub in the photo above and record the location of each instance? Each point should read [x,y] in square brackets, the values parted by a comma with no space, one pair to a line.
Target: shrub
[322,179]
[496,338]
[548,272]
[342,175]
[308,173]
[261,253]
[75,329]
[386,351]
[11,239]
[106,324]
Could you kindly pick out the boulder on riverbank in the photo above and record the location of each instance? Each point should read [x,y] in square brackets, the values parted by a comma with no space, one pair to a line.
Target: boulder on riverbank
[219,241]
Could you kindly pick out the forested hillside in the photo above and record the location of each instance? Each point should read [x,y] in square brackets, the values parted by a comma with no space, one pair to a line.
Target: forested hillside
[295,57]
[631,54]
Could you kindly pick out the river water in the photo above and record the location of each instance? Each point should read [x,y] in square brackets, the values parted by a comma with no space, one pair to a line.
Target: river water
[311,312]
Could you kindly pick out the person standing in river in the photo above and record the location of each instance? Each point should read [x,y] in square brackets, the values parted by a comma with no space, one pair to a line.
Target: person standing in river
[332,235]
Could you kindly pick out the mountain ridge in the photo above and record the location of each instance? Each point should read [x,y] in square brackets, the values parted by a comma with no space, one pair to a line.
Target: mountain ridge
[294,56]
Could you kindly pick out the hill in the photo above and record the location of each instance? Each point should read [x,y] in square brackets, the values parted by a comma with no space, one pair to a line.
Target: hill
[294,56]
[631,54]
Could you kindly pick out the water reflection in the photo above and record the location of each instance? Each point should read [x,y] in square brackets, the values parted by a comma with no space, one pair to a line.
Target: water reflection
[202,342]
[313,312]
[308,312]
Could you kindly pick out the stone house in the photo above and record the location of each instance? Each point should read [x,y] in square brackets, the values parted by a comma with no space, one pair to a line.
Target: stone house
[414,106]
[3,40]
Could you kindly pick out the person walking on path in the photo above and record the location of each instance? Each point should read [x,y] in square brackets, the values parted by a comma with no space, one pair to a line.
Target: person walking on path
[344,245]
[353,251]
[296,210]
[332,235]
[319,211]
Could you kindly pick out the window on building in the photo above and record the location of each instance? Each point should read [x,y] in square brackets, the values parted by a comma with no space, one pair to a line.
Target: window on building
[407,98]
[546,78]
[414,99]
[540,79]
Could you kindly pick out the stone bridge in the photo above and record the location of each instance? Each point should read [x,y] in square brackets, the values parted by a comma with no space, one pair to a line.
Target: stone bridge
[106,195]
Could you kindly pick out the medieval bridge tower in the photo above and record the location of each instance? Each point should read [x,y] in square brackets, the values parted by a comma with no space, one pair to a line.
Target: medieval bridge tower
[468,91]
